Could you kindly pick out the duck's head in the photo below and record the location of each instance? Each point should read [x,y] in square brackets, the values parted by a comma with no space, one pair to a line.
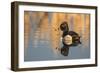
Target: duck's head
[64,26]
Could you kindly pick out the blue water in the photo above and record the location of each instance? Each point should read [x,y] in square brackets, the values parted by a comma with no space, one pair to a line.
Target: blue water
[43,51]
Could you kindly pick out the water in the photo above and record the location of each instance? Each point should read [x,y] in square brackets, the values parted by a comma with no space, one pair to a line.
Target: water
[44,37]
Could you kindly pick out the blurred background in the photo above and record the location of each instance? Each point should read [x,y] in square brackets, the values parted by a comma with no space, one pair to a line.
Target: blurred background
[43,36]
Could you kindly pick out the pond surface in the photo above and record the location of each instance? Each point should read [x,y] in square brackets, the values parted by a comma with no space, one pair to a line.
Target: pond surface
[43,38]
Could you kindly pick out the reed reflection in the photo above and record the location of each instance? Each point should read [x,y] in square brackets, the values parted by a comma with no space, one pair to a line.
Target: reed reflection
[45,40]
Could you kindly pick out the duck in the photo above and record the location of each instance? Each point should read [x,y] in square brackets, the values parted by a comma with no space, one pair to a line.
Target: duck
[69,38]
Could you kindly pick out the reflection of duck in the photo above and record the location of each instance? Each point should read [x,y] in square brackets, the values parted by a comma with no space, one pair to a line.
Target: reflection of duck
[70,38]
[65,50]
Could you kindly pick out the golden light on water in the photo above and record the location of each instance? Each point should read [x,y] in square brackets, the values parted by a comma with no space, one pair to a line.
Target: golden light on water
[44,26]
[26,29]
